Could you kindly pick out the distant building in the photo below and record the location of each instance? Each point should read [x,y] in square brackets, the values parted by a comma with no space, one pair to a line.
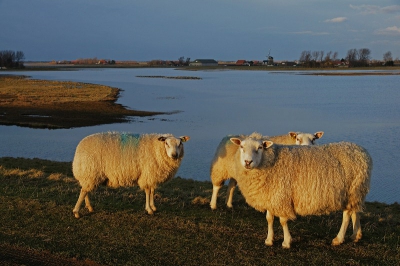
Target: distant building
[241,62]
[204,62]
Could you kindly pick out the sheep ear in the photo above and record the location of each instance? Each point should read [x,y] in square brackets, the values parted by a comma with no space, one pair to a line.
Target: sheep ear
[236,141]
[318,134]
[293,134]
[184,138]
[162,138]
[267,144]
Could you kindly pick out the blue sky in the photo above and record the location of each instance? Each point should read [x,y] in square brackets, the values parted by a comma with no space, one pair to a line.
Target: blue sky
[217,29]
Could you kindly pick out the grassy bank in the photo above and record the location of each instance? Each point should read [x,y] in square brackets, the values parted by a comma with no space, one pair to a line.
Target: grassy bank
[60,104]
[37,224]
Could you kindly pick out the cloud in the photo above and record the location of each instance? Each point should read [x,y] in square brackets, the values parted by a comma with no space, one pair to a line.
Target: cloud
[308,32]
[391,31]
[336,20]
[371,9]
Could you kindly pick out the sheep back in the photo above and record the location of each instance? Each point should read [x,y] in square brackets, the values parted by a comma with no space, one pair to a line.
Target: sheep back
[123,159]
[307,180]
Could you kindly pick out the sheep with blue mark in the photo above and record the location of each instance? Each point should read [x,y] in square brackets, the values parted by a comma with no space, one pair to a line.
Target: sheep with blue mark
[221,169]
[303,180]
[125,159]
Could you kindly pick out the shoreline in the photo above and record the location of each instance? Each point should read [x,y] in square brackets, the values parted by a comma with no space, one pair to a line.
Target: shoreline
[48,104]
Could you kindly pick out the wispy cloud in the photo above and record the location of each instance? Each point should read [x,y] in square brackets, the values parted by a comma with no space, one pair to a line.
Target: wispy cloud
[308,32]
[391,31]
[336,20]
[371,9]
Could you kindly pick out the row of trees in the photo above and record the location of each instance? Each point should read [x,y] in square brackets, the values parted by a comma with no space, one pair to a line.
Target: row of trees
[11,59]
[354,58]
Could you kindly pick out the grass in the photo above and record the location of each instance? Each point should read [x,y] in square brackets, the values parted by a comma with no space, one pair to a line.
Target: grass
[60,104]
[37,224]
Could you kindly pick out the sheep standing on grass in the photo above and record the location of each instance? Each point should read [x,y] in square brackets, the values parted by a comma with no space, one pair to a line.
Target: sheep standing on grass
[303,180]
[221,167]
[123,159]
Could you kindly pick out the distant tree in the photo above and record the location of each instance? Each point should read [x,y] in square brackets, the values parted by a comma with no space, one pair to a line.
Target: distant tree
[181,60]
[388,59]
[11,59]
[321,56]
[305,58]
[187,61]
[352,56]
[364,56]
[335,56]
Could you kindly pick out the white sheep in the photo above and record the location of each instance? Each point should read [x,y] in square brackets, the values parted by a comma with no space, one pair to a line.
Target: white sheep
[125,159]
[303,180]
[221,170]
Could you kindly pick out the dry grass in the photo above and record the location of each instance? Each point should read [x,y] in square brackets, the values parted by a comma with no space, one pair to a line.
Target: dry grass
[60,104]
[19,91]
[37,224]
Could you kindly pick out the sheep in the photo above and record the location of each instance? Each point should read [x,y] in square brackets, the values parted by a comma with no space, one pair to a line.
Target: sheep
[220,169]
[303,180]
[126,159]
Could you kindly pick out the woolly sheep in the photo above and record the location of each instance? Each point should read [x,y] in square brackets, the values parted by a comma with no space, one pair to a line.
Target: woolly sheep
[125,159]
[221,170]
[303,180]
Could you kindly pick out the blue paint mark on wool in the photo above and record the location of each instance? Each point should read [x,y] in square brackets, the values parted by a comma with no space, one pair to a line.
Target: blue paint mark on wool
[129,139]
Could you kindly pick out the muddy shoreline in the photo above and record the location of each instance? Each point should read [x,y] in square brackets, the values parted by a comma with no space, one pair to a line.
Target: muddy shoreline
[58,104]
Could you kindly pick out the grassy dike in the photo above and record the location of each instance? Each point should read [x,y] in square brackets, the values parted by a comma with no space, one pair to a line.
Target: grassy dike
[37,226]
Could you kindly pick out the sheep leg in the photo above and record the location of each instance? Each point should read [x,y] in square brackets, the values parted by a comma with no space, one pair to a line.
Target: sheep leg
[339,239]
[231,189]
[147,208]
[152,206]
[357,234]
[287,238]
[82,197]
[270,235]
[87,203]
[213,203]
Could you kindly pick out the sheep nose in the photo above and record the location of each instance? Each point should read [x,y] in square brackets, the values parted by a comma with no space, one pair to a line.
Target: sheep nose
[247,162]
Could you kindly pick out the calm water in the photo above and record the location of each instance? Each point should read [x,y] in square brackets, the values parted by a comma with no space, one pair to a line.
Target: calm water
[360,109]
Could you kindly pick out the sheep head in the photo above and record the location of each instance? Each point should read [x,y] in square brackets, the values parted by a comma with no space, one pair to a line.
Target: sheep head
[306,138]
[174,146]
[251,151]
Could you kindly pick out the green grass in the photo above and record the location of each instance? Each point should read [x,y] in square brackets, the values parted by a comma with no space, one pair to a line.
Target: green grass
[37,198]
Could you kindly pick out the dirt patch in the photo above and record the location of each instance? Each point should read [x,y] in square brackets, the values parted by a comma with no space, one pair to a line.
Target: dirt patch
[60,104]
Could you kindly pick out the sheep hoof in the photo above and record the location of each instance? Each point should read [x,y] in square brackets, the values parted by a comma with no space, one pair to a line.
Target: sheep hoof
[230,206]
[90,209]
[269,242]
[285,245]
[336,241]
[356,237]
[76,214]
[150,211]
[213,207]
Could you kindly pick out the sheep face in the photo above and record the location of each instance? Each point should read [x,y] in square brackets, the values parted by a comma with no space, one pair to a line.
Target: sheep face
[251,151]
[174,146]
[306,138]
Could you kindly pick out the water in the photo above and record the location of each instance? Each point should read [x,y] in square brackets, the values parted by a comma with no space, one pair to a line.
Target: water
[360,109]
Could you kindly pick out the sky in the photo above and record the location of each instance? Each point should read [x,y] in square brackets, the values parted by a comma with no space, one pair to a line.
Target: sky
[225,30]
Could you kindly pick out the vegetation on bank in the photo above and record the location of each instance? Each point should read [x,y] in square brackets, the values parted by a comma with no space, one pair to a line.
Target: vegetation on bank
[37,197]
[60,104]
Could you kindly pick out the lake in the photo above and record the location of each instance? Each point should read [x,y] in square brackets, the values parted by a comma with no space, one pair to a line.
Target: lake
[360,109]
